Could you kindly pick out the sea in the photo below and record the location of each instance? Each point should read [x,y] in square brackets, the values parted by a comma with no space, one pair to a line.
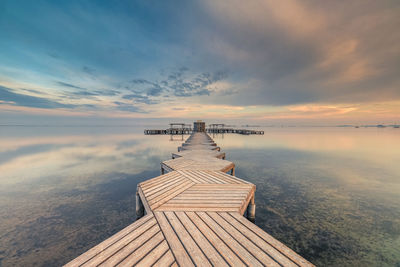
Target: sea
[332,194]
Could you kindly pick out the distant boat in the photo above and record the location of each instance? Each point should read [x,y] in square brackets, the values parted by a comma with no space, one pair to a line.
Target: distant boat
[357,127]
[396,126]
[381,126]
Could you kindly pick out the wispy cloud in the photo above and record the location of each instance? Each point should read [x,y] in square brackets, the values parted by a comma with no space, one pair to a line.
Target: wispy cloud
[70,85]
[7,94]
[128,107]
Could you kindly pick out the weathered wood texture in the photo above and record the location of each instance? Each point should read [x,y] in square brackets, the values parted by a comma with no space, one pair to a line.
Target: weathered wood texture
[200,153]
[194,218]
[198,163]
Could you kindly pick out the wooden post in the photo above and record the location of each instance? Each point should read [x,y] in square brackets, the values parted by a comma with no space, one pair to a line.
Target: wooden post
[251,210]
[139,207]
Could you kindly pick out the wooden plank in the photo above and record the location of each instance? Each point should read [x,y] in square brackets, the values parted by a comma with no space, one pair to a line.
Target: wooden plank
[214,201]
[166,260]
[211,179]
[243,193]
[247,243]
[207,197]
[190,245]
[228,176]
[157,180]
[272,241]
[155,255]
[115,254]
[221,176]
[176,246]
[162,187]
[178,208]
[201,205]
[191,177]
[220,181]
[245,203]
[270,250]
[168,195]
[144,201]
[234,245]
[194,174]
[162,193]
[110,241]
[223,186]
[219,188]
[176,177]
[228,167]
[165,169]
[230,257]
[210,252]
[213,195]
[148,253]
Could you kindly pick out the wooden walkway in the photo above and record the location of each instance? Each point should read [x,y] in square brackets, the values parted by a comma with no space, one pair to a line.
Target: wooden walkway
[194,217]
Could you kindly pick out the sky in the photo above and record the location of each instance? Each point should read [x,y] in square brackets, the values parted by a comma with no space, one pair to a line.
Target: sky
[264,61]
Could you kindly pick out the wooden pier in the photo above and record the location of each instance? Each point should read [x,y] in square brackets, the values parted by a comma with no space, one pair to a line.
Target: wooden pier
[216,128]
[193,215]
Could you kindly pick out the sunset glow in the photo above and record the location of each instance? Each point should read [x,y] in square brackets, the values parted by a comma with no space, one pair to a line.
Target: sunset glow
[285,62]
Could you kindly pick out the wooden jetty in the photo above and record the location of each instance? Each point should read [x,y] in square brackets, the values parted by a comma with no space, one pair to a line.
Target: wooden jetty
[193,215]
[216,128]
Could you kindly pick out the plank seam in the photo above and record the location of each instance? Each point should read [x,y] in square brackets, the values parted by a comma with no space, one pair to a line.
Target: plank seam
[221,239]
[240,243]
[194,240]
[273,258]
[183,245]
[222,256]
[131,251]
[277,249]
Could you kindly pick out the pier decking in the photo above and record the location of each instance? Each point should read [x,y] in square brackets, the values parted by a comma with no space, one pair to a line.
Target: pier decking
[193,216]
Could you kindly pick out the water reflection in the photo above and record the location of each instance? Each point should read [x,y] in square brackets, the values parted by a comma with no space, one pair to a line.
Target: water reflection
[63,192]
[331,194]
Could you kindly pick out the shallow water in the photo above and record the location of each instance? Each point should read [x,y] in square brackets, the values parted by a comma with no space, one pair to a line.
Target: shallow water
[331,194]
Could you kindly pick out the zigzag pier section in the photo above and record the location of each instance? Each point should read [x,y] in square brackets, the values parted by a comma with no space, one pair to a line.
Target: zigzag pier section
[193,214]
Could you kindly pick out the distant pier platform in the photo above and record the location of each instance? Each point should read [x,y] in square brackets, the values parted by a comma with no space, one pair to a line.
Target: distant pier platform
[184,129]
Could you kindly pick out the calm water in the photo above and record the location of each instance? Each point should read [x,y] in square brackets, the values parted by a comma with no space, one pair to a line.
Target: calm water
[331,194]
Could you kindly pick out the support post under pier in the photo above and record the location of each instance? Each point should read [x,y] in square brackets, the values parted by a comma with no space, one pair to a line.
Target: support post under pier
[251,210]
[139,207]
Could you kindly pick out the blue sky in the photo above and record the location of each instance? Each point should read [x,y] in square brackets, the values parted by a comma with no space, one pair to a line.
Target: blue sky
[265,61]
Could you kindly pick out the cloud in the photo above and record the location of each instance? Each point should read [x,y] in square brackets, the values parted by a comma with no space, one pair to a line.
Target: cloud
[155,90]
[7,94]
[176,83]
[128,107]
[140,81]
[304,51]
[84,93]
[182,85]
[89,70]
[70,85]
[107,92]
